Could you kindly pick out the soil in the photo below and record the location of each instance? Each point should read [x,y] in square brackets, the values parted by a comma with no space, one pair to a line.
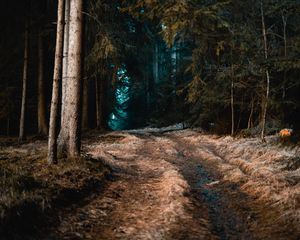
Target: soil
[166,185]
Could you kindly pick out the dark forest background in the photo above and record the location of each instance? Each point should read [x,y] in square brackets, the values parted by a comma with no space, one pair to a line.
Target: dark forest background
[200,62]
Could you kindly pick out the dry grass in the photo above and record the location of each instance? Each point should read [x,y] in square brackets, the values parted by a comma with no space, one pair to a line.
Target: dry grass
[30,189]
[149,200]
[268,172]
[154,202]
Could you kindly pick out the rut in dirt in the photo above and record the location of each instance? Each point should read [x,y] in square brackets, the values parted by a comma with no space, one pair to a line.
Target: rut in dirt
[160,190]
[228,215]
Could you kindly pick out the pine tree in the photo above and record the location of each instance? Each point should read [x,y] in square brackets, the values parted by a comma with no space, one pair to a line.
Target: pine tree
[74,74]
[42,121]
[22,135]
[52,142]
[64,131]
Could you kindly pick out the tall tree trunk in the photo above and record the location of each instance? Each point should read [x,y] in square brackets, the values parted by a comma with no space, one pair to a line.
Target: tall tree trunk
[100,103]
[74,78]
[85,105]
[85,89]
[174,72]
[284,22]
[24,89]
[149,86]
[8,125]
[232,100]
[266,98]
[8,111]
[250,119]
[64,131]
[52,142]
[155,63]
[101,86]
[42,120]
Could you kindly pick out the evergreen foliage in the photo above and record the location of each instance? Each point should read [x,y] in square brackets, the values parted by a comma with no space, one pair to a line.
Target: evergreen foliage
[228,46]
[189,60]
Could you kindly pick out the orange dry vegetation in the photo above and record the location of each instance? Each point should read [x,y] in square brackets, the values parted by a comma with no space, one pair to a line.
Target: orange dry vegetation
[285,133]
[267,172]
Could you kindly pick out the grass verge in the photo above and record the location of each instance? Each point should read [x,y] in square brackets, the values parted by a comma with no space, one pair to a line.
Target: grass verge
[32,192]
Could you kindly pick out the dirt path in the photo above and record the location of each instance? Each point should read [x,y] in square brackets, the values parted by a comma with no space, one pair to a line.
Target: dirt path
[163,187]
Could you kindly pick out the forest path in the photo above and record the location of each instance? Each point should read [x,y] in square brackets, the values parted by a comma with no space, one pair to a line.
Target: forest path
[163,188]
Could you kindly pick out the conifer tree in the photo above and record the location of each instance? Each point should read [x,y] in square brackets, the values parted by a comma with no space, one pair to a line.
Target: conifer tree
[52,141]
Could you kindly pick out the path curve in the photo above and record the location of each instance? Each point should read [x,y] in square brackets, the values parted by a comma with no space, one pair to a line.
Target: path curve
[162,187]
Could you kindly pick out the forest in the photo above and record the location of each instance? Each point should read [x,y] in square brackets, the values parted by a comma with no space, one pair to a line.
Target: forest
[150,119]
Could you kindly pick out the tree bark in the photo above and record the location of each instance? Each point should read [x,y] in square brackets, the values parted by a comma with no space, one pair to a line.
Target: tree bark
[74,79]
[266,98]
[284,22]
[232,100]
[24,89]
[148,89]
[52,141]
[174,71]
[100,103]
[155,64]
[8,125]
[85,105]
[42,120]
[64,132]
[8,111]
[85,89]
[250,119]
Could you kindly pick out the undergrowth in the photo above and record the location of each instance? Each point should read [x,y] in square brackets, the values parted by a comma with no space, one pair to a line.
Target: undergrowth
[31,191]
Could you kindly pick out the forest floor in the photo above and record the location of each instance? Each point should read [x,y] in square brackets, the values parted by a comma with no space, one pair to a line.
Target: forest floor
[184,184]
